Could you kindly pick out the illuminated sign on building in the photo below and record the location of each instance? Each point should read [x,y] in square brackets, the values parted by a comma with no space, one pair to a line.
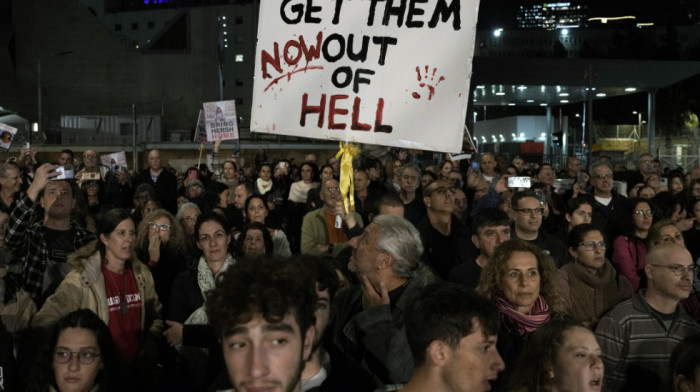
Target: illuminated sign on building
[550,16]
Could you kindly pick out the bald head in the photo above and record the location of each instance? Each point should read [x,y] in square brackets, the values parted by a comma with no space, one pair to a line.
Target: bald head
[668,254]
[669,273]
[154,160]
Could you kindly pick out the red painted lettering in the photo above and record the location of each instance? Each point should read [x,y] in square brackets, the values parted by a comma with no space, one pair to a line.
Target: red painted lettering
[310,52]
[356,124]
[378,126]
[306,109]
[332,111]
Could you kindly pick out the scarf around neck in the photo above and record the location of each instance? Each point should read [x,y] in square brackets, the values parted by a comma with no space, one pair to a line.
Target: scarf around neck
[264,186]
[605,294]
[207,282]
[539,315]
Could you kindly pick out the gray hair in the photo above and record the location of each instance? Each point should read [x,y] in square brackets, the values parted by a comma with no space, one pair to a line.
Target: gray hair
[409,166]
[599,164]
[402,240]
[183,207]
[5,167]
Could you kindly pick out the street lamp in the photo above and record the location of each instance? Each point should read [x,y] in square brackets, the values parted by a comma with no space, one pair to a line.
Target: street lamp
[639,123]
[38,82]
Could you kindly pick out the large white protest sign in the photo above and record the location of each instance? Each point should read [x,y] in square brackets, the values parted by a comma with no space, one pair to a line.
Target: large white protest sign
[220,120]
[392,73]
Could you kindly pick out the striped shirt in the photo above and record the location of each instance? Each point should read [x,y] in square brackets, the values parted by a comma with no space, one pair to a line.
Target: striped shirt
[637,344]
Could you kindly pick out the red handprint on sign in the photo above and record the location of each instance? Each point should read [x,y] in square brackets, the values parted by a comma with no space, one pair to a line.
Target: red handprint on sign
[430,83]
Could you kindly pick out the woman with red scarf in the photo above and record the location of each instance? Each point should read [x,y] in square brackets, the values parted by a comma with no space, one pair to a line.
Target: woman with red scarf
[521,280]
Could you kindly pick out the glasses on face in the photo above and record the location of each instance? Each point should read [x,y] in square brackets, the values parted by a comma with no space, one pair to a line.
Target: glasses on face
[190,219]
[603,176]
[158,226]
[85,357]
[442,191]
[530,211]
[331,189]
[642,213]
[253,239]
[678,269]
[647,162]
[592,245]
[11,178]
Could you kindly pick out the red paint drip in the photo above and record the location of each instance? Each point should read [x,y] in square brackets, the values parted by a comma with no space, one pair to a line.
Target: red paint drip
[288,75]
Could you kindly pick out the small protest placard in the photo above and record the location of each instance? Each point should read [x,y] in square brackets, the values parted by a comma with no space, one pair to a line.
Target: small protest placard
[221,122]
[200,133]
[114,161]
[7,135]
[378,72]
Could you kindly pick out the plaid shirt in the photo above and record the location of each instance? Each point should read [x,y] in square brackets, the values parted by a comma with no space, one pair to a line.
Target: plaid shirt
[25,238]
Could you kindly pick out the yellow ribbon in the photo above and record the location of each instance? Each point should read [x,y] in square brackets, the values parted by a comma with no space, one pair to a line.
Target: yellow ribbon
[347,186]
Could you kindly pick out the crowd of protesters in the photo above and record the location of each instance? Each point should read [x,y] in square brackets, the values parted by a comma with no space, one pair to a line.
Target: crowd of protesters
[590,271]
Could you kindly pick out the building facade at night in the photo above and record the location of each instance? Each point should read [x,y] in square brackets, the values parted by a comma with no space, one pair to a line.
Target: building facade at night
[551,16]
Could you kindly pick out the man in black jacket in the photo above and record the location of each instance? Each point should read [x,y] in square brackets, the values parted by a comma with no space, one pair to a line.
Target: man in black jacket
[161,179]
[527,221]
[328,369]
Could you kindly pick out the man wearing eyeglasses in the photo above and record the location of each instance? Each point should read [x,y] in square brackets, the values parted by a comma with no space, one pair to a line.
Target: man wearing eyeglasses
[319,234]
[604,199]
[440,231]
[527,214]
[645,167]
[638,335]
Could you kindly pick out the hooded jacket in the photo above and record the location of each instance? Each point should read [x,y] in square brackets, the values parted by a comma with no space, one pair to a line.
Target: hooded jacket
[84,288]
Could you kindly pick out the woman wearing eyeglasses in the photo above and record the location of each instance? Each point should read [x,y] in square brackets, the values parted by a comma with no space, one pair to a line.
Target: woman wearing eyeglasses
[80,356]
[590,284]
[160,244]
[629,249]
[108,279]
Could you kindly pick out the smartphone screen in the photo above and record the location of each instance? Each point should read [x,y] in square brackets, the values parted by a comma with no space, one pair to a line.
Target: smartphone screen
[519,182]
[475,168]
